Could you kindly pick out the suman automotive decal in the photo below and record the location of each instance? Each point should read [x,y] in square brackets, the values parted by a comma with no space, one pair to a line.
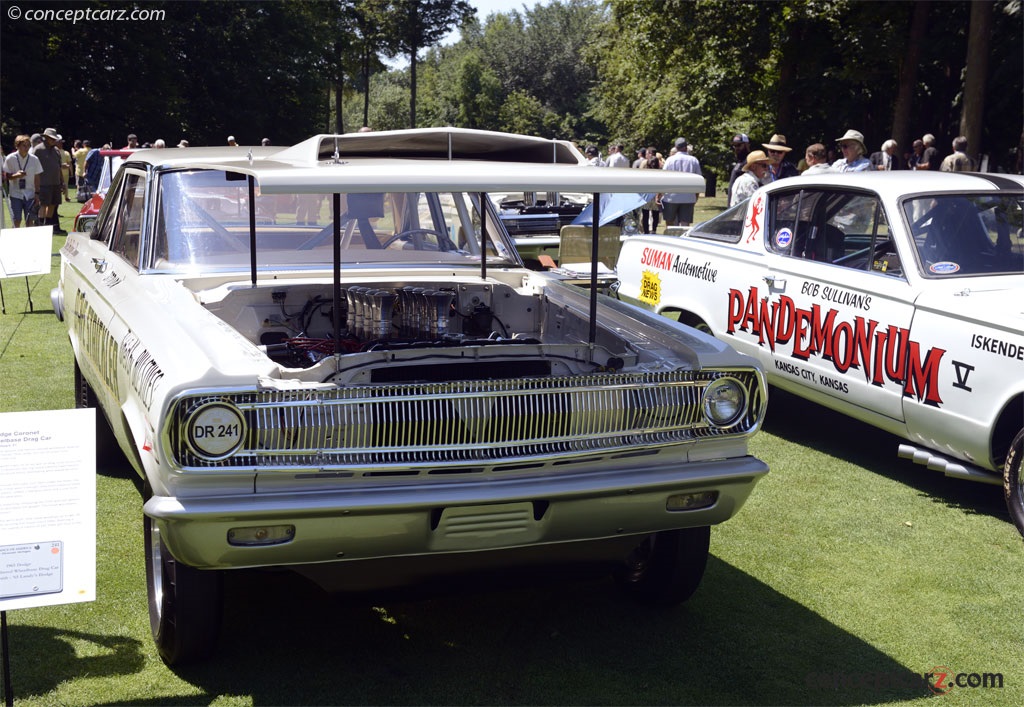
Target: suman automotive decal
[783,238]
[663,260]
[96,342]
[650,287]
[883,352]
[753,225]
[142,370]
[944,268]
[997,346]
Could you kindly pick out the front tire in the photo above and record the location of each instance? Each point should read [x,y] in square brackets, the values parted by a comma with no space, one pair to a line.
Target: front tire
[85,397]
[667,567]
[184,603]
[1013,481]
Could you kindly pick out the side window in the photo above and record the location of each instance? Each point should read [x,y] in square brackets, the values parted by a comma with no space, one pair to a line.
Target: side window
[848,229]
[107,217]
[727,226]
[128,224]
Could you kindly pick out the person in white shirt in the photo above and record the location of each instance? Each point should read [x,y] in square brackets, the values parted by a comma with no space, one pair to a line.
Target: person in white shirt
[679,206]
[754,171]
[853,160]
[816,158]
[615,156]
[21,172]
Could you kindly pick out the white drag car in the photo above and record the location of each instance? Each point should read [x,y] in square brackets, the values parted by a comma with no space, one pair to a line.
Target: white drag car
[895,298]
[330,357]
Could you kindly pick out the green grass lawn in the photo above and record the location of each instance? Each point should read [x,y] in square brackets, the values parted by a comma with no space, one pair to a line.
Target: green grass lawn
[848,573]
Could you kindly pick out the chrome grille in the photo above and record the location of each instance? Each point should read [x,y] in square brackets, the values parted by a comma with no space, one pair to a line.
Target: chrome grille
[463,421]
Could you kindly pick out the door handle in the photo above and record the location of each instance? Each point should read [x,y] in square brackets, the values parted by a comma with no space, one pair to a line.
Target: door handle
[775,282]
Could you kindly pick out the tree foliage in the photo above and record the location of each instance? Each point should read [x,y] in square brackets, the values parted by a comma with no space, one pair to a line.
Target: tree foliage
[636,71]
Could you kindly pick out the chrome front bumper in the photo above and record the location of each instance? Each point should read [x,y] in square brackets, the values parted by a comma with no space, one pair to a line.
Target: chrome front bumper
[455,516]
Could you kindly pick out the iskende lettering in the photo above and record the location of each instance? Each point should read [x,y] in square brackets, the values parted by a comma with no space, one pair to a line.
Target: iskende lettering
[997,346]
[882,352]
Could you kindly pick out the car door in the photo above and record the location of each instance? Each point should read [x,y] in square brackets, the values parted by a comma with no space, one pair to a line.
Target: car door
[836,317]
[105,281]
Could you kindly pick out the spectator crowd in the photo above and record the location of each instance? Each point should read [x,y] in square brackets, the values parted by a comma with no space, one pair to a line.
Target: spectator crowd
[751,169]
[40,170]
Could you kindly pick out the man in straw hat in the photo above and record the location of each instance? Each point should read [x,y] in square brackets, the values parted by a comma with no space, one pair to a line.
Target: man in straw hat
[754,172]
[778,168]
[52,186]
[853,160]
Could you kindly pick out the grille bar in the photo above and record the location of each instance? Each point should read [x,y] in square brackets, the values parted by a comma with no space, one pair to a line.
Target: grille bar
[463,421]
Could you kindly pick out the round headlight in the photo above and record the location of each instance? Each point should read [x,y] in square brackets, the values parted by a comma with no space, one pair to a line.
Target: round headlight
[725,401]
[215,430]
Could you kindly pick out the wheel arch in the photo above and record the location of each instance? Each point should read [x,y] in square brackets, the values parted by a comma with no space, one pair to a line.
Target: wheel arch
[1009,422]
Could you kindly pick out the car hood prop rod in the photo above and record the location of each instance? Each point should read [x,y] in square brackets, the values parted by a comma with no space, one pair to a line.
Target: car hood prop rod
[252,228]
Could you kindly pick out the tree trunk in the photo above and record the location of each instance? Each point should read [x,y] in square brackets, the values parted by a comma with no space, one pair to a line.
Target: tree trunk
[339,119]
[976,73]
[366,85]
[908,77]
[412,86]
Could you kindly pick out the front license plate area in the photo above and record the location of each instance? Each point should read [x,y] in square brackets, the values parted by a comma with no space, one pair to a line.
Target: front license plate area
[483,527]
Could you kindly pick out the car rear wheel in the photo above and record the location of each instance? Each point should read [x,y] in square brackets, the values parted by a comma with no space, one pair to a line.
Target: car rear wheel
[667,567]
[184,603]
[1013,481]
[85,397]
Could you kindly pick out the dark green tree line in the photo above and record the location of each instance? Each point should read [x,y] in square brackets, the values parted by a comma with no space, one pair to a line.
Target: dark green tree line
[637,71]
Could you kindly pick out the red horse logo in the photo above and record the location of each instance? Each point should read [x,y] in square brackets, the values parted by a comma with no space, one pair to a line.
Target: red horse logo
[753,225]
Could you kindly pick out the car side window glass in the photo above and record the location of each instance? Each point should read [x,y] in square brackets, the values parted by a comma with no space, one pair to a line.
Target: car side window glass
[726,227]
[857,236]
[128,225]
[107,217]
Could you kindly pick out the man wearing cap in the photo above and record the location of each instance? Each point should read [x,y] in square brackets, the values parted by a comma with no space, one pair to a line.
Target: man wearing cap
[52,187]
[853,160]
[779,168]
[679,207]
[231,141]
[754,171]
[740,150]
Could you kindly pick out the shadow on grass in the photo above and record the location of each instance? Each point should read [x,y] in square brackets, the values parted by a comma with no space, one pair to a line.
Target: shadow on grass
[805,423]
[43,657]
[576,641]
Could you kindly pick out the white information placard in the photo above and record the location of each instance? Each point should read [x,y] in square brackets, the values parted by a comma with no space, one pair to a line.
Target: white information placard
[25,251]
[47,508]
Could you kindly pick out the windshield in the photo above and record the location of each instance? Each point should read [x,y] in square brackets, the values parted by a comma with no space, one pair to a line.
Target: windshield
[967,234]
[203,221]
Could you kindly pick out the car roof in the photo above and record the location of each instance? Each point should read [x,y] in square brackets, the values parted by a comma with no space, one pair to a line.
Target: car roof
[438,159]
[897,183]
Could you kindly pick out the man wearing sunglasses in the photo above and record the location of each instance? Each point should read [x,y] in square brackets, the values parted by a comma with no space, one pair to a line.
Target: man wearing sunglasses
[778,167]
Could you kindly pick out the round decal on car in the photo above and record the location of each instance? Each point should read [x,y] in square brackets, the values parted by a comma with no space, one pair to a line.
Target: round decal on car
[215,430]
[944,268]
[783,238]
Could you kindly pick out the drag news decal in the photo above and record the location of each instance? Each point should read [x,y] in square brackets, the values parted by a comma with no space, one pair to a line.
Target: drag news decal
[881,352]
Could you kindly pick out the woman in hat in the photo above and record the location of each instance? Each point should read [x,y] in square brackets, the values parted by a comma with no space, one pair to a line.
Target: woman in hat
[754,173]
[853,160]
[778,167]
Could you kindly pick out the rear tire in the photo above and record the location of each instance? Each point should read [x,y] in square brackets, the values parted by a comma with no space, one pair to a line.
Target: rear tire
[184,603]
[1013,481]
[667,567]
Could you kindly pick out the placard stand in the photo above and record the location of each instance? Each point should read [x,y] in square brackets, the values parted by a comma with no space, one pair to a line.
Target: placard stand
[6,651]
[47,514]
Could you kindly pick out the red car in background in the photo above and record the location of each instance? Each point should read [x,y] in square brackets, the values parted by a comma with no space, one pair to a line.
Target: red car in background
[112,160]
